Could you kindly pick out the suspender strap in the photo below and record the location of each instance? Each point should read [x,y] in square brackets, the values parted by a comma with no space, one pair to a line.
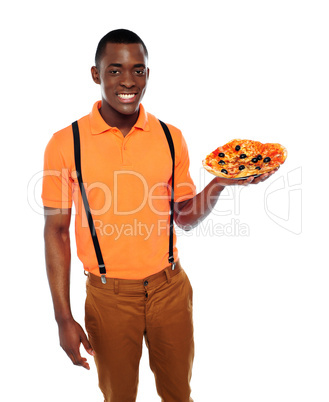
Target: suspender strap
[171,235]
[77,158]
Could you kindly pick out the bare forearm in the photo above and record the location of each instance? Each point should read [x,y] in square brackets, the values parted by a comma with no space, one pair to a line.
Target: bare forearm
[58,260]
[199,207]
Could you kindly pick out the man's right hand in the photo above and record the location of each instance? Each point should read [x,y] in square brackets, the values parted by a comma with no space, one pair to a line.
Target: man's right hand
[71,335]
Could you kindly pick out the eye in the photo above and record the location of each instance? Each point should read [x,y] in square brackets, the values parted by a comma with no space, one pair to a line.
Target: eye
[140,72]
[114,72]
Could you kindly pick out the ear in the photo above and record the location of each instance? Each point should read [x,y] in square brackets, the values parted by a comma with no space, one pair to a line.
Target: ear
[95,75]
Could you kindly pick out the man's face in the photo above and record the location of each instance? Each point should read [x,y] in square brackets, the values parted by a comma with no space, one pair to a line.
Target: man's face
[122,74]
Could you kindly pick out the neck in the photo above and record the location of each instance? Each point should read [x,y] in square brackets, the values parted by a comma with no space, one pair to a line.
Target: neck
[121,121]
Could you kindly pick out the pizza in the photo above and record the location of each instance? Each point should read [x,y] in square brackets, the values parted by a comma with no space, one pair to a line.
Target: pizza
[243,158]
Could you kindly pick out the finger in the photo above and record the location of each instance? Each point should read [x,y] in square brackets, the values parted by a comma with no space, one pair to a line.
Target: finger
[261,178]
[77,360]
[247,181]
[269,174]
[264,177]
[86,344]
[275,170]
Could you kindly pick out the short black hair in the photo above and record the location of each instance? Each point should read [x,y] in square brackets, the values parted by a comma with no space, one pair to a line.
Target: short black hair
[117,36]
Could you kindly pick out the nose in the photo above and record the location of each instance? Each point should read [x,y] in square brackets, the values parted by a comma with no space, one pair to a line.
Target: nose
[127,79]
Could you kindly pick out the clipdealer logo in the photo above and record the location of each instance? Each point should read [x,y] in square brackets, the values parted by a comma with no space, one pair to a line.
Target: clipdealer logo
[283,201]
[282,204]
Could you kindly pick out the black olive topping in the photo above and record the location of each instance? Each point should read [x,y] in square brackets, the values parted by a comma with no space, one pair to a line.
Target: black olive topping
[221,155]
[221,162]
[259,157]
[237,148]
[224,171]
[254,160]
[257,167]
[242,156]
[267,159]
[241,167]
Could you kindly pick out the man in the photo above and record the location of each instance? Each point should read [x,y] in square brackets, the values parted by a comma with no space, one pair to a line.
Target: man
[126,166]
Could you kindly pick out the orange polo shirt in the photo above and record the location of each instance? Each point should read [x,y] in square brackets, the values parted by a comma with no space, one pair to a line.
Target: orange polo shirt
[127,183]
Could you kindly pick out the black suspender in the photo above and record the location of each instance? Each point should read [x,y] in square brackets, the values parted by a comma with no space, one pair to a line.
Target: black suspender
[77,159]
[171,234]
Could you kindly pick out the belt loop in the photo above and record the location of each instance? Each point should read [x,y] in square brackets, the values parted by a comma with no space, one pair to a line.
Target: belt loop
[167,275]
[116,286]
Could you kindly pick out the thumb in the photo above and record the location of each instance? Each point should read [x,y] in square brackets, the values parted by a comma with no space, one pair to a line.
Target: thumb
[86,344]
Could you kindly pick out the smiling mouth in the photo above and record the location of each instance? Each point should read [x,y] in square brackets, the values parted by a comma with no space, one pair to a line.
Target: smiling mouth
[126,96]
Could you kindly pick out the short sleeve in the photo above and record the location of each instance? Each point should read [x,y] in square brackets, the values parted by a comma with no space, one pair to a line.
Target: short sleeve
[184,185]
[57,182]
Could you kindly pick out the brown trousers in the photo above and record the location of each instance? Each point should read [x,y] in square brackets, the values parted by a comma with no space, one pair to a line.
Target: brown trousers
[121,312]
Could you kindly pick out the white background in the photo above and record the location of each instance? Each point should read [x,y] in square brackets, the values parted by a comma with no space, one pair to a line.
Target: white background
[219,70]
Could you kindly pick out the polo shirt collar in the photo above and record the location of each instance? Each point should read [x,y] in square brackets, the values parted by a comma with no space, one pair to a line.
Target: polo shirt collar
[99,126]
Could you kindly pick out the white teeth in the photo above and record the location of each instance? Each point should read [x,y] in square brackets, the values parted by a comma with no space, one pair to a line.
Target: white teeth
[126,96]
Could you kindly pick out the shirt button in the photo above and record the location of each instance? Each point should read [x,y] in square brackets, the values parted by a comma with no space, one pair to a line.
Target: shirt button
[146,283]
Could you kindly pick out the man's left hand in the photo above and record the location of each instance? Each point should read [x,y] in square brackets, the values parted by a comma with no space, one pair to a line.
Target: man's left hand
[245,182]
